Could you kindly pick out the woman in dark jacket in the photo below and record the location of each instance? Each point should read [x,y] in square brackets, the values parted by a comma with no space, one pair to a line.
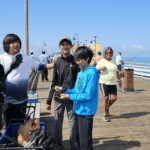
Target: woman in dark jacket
[2,89]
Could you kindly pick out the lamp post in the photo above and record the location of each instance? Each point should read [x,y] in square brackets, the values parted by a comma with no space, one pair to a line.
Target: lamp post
[95,43]
[43,45]
[76,38]
[26,36]
[86,42]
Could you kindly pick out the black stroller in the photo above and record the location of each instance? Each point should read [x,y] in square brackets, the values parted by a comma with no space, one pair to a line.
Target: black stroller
[39,139]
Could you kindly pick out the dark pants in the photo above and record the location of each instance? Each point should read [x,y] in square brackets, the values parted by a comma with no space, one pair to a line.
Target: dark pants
[84,130]
[1,116]
[119,67]
[44,74]
[14,113]
[59,116]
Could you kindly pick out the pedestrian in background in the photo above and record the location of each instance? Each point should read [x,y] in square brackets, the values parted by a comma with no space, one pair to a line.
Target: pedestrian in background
[119,61]
[44,59]
[108,81]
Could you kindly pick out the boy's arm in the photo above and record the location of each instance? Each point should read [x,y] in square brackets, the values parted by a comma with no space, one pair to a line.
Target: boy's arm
[89,90]
[54,82]
[70,91]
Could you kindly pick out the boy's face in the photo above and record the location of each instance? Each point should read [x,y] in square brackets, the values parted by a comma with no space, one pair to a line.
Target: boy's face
[65,47]
[82,63]
[14,47]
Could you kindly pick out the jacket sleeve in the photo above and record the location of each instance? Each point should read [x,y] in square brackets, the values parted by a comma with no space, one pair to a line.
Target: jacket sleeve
[70,91]
[54,82]
[89,90]
[2,79]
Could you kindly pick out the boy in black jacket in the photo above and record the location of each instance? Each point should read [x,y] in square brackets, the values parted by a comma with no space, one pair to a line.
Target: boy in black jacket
[2,89]
[64,77]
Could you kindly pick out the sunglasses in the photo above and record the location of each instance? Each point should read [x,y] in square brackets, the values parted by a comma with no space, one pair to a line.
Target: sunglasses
[108,53]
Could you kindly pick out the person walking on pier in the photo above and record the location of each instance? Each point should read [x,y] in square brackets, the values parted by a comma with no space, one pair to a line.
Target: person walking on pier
[108,80]
[119,61]
[64,77]
[43,61]
[85,97]
[17,69]
[98,57]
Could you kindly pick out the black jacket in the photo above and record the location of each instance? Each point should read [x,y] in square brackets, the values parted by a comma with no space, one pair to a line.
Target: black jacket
[64,75]
[2,83]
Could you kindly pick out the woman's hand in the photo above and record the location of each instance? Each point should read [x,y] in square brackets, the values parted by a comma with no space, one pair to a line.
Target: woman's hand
[103,68]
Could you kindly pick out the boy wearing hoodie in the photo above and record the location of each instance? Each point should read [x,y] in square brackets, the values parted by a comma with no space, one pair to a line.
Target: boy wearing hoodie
[85,97]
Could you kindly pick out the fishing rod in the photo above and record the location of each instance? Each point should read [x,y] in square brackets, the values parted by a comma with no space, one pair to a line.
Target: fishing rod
[132,58]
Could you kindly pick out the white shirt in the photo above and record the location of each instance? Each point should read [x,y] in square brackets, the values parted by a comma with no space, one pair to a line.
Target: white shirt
[18,79]
[108,76]
[118,60]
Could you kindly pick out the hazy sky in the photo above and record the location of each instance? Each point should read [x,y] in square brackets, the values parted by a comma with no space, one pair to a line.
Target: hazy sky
[122,24]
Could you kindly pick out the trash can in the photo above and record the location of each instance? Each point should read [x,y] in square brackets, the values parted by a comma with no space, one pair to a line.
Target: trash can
[128,80]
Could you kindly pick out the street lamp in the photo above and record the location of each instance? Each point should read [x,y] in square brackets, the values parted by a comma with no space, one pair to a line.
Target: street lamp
[86,42]
[76,38]
[26,30]
[43,45]
[94,44]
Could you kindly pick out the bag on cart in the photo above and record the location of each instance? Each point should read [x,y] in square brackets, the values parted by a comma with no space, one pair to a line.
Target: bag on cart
[40,137]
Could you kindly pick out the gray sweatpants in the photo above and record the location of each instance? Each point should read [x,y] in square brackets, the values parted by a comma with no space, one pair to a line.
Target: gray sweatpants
[59,116]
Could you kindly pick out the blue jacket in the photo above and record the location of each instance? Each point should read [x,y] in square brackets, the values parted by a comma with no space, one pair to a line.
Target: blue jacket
[85,92]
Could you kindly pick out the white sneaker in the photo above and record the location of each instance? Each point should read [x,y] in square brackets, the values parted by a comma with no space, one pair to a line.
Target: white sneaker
[106,118]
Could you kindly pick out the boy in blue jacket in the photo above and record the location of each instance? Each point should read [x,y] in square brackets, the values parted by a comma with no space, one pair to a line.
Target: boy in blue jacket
[85,97]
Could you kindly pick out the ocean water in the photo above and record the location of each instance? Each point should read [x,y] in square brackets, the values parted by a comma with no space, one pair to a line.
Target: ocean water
[141,65]
[137,60]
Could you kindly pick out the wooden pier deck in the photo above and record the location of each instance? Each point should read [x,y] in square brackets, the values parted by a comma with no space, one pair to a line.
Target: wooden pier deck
[129,128]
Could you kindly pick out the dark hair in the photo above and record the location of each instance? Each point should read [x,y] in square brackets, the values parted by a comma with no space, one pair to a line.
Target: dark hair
[83,52]
[65,40]
[8,39]
[43,52]
[107,48]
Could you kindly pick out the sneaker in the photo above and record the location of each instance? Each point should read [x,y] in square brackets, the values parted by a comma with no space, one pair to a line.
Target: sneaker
[106,118]
[109,115]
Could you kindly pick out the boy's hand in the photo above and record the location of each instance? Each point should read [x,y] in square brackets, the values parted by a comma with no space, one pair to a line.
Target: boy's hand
[58,88]
[64,96]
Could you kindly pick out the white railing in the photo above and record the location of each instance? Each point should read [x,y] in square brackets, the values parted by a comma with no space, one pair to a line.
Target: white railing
[140,70]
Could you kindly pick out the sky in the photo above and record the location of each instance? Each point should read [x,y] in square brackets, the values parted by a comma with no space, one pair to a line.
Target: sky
[122,24]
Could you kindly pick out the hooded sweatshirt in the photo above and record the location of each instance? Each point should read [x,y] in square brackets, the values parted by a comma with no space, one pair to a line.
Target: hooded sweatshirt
[85,92]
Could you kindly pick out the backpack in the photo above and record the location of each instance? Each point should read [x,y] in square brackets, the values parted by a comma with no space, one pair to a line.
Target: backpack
[14,64]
